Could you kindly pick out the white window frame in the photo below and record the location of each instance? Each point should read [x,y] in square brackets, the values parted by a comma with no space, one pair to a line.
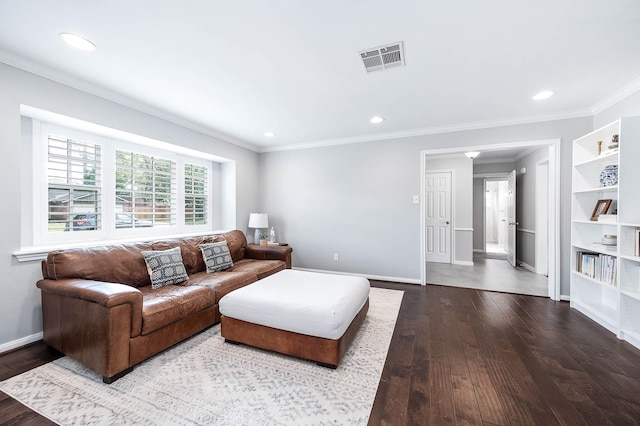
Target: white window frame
[209,205]
[108,231]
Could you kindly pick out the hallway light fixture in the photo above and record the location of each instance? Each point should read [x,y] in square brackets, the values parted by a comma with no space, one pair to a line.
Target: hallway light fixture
[472,154]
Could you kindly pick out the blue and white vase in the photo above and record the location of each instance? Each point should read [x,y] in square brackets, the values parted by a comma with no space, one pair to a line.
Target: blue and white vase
[609,175]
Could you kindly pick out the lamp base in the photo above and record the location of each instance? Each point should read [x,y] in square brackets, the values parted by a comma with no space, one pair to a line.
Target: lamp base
[256,236]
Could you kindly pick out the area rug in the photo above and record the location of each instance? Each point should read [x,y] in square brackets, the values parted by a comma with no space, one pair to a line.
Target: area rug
[205,381]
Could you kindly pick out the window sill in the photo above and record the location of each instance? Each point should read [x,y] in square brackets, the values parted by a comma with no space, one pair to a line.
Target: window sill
[38,253]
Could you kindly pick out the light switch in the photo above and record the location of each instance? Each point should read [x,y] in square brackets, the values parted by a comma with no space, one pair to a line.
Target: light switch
[416,199]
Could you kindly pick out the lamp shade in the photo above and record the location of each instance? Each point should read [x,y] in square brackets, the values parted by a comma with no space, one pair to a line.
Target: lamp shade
[258,220]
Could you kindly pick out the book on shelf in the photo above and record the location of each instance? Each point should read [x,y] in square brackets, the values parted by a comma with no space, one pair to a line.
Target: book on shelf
[599,266]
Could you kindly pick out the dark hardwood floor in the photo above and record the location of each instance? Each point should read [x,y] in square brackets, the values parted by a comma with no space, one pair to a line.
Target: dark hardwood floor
[462,356]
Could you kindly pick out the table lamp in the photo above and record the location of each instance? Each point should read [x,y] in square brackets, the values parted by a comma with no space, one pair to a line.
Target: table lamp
[258,221]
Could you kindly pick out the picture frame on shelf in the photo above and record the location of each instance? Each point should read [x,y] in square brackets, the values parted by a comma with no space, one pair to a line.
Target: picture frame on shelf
[601,208]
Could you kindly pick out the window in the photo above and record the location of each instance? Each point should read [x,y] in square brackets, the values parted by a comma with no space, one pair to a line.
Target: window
[74,191]
[104,188]
[195,194]
[145,190]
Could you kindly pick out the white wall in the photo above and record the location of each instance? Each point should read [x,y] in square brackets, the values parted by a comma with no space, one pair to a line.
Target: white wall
[356,199]
[20,311]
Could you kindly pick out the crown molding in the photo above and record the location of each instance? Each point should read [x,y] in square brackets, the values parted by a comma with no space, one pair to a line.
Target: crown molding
[79,84]
[617,96]
[92,89]
[478,125]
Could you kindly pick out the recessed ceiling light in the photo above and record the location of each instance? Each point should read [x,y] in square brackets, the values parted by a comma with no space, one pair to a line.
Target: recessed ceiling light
[377,119]
[472,154]
[269,134]
[543,95]
[78,42]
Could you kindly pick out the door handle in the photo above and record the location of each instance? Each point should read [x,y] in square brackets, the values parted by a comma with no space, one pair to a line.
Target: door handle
[447,222]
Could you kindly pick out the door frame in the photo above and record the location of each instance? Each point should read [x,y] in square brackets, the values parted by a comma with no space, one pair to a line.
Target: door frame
[542,201]
[554,202]
[494,177]
[452,210]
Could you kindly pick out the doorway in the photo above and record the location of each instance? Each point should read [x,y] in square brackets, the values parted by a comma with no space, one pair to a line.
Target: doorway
[438,216]
[495,217]
[552,213]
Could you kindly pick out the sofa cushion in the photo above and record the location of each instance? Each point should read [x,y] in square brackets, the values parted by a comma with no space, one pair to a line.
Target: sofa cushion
[221,282]
[165,267]
[189,250]
[261,268]
[216,256]
[114,263]
[169,304]
[237,243]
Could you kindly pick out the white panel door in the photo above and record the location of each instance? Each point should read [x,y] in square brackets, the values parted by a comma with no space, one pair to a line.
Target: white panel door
[511,218]
[438,217]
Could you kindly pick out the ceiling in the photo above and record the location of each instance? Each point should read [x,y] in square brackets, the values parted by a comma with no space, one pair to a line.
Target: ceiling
[237,69]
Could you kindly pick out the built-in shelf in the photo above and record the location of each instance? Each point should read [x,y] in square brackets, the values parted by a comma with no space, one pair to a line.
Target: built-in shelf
[615,307]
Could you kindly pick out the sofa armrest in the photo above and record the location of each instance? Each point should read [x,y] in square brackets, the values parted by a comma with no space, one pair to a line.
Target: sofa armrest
[92,322]
[269,253]
[108,295]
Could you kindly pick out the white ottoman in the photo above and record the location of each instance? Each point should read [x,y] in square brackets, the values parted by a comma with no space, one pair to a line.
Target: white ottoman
[304,314]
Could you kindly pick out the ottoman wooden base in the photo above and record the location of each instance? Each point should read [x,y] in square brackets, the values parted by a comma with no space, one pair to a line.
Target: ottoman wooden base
[327,352]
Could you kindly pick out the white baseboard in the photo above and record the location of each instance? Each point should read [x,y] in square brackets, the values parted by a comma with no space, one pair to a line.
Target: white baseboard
[462,262]
[5,347]
[478,251]
[370,277]
[526,266]
[565,298]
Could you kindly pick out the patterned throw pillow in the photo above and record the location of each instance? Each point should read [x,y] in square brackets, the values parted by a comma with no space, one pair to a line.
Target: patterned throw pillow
[165,267]
[216,256]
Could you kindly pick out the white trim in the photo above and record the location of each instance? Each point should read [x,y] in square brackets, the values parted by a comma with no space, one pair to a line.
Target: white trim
[67,124]
[541,198]
[462,262]
[526,266]
[553,254]
[430,131]
[528,231]
[370,277]
[101,92]
[554,203]
[478,251]
[463,229]
[31,254]
[565,298]
[492,176]
[18,343]
[624,92]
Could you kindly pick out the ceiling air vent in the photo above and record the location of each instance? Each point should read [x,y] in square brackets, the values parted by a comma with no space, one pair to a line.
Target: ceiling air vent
[381,58]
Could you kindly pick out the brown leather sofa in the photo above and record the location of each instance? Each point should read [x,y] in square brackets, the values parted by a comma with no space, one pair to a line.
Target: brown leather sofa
[98,306]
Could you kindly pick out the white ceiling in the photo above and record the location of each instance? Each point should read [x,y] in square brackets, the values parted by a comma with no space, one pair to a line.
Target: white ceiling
[237,69]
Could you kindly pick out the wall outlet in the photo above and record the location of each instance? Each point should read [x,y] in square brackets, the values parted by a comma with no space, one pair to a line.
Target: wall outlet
[416,199]
[336,257]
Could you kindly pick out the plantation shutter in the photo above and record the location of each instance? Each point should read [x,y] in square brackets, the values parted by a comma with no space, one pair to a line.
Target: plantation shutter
[195,194]
[74,185]
[146,188]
